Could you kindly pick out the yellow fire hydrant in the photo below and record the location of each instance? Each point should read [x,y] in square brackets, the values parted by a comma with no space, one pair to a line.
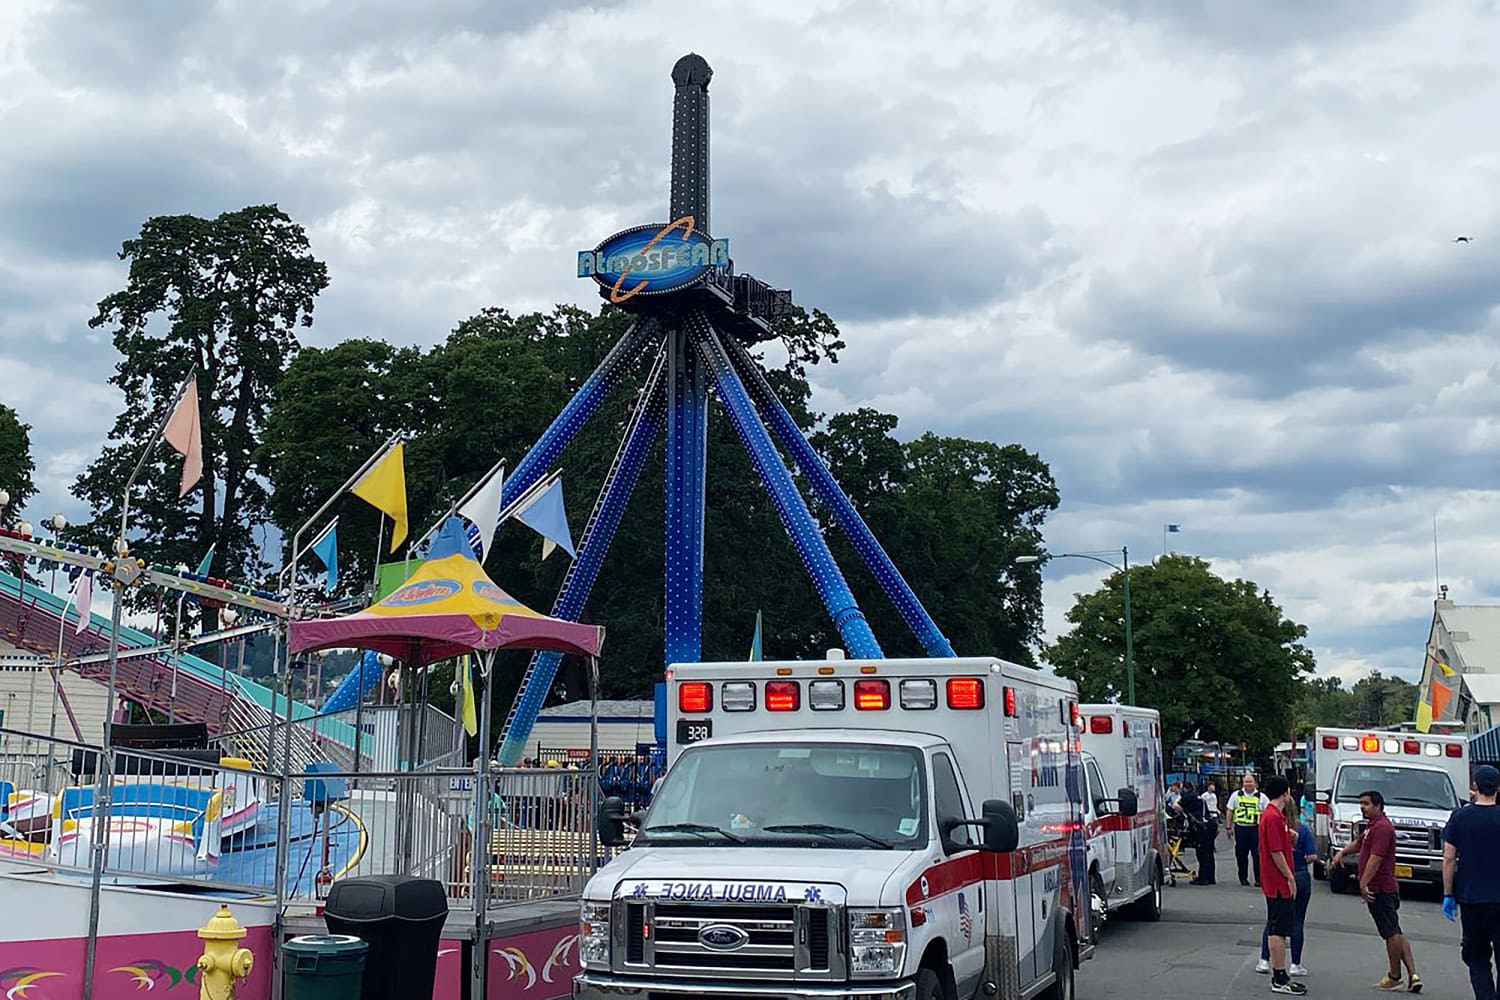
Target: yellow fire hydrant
[223,962]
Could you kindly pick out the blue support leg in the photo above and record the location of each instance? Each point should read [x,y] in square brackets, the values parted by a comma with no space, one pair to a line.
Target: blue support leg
[585,402]
[614,497]
[859,534]
[795,516]
[687,446]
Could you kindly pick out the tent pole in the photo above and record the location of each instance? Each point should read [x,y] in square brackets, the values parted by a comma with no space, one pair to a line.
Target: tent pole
[479,858]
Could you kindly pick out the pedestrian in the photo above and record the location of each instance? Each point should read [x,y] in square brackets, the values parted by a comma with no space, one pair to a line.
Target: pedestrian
[1174,793]
[1245,808]
[1304,853]
[1377,887]
[1199,833]
[1469,850]
[1279,884]
[1211,802]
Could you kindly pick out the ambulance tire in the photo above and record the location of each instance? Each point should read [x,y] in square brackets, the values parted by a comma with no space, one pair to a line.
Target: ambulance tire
[1319,871]
[1338,879]
[929,984]
[1062,987]
[1147,909]
[1096,919]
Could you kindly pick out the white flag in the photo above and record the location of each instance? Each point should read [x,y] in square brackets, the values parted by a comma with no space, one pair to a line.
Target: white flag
[483,510]
[83,598]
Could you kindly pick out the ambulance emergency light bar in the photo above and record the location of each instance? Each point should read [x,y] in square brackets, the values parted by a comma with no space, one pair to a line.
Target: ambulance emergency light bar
[868,694]
[1374,744]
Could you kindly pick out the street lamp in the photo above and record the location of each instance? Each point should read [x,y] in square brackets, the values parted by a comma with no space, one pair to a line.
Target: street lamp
[1124,567]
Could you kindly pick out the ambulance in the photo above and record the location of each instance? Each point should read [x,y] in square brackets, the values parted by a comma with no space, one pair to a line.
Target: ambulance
[850,830]
[1126,854]
[1423,777]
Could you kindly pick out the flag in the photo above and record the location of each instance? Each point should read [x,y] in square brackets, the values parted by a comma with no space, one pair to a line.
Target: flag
[83,598]
[466,696]
[1174,528]
[206,563]
[184,432]
[482,510]
[384,488]
[1424,717]
[1441,695]
[965,921]
[326,548]
[544,514]
[392,575]
[755,653]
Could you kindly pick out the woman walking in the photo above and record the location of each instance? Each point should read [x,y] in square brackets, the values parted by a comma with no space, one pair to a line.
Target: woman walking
[1304,852]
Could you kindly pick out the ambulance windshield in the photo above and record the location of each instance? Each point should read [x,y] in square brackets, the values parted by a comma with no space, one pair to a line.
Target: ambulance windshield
[791,795]
[1400,786]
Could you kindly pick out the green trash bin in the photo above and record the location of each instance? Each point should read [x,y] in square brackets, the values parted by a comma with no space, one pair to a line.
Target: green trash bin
[324,967]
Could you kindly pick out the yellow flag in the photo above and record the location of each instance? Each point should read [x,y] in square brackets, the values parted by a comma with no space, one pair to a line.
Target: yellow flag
[466,697]
[384,488]
[1424,717]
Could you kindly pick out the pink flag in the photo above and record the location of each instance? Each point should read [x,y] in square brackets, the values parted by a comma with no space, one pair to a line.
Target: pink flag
[184,433]
[83,597]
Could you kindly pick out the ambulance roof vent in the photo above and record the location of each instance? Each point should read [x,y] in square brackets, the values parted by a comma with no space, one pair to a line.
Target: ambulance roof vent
[834,654]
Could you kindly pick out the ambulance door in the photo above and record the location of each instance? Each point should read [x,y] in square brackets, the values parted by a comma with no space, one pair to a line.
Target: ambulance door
[960,913]
[1018,756]
[1107,850]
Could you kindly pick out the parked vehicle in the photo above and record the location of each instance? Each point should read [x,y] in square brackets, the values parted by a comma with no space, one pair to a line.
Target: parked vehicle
[1126,854]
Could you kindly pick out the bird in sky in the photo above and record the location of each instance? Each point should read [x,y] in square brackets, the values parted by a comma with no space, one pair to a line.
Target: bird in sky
[1463,239]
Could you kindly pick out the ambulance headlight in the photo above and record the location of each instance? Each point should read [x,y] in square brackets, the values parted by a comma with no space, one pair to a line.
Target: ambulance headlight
[593,935]
[1340,831]
[877,942]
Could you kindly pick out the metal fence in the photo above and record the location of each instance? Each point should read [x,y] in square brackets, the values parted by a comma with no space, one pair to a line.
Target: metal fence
[192,816]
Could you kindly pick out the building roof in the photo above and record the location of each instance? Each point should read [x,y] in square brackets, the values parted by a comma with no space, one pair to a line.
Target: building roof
[608,709]
[1475,632]
[1483,688]
[1485,748]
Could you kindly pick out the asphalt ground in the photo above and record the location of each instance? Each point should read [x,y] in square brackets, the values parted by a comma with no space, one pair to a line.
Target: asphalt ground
[1208,940]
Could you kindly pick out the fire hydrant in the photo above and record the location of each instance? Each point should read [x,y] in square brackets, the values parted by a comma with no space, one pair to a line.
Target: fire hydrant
[223,962]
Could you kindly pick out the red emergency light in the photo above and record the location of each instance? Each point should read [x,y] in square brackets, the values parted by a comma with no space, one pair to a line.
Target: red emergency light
[1454,749]
[783,696]
[1411,746]
[1101,725]
[872,695]
[695,697]
[1330,743]
[965,692]
[1010,702]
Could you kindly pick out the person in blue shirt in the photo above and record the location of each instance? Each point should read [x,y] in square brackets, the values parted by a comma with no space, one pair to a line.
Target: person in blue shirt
[1471,879]
[1304,852]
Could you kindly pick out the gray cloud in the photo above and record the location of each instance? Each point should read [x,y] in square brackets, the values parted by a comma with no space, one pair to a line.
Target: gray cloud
[1270,24]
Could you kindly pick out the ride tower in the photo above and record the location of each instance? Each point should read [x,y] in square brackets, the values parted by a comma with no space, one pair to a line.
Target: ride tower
[694,317]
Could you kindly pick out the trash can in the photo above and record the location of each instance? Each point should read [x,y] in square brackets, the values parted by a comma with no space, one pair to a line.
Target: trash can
[324,966]
[401,917]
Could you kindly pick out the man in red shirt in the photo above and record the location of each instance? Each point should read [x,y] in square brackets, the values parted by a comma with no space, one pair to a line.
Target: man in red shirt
[1277,882]
[1378,888]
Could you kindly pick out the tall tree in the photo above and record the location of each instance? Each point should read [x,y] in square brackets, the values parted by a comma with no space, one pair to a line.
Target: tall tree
[1216,657]
[16,465]
[1378,700]
[225,295]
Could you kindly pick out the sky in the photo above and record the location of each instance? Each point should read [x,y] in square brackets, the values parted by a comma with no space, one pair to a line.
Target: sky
[1197,254]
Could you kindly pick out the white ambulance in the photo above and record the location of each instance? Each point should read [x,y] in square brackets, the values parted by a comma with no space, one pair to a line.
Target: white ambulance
[1423,777]
[1126,854]
[870,829]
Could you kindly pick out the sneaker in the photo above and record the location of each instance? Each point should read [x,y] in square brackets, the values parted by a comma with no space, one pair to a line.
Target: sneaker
[1291,987]
[1297,970]
[1263,967]
[1414,984]
[1388,984]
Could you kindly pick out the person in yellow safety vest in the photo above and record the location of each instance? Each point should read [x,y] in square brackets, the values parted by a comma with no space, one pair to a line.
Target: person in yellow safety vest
[1245,807]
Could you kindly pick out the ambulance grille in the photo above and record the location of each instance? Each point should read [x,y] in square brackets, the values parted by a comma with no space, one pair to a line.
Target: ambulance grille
[780,942]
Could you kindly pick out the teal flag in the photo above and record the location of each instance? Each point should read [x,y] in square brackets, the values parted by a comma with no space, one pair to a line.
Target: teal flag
[207,560]
[326,548]
[755,642]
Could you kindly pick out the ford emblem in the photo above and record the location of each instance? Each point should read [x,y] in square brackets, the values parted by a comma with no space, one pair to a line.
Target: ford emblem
[723,937]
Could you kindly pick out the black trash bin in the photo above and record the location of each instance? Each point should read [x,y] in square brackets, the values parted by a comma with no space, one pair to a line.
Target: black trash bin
[401,917]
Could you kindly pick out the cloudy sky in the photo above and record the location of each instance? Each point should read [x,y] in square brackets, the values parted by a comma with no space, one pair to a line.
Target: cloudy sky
[1197,253]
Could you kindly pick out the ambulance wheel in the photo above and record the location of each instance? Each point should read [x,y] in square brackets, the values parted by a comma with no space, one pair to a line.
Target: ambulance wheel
[1097,906]
[1148,907]
[1062,967]
[1338,878]
[1320,870]
[929,986]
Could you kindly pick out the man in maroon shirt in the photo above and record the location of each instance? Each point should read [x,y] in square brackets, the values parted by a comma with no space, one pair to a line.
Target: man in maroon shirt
[1377,886]
[1277,883]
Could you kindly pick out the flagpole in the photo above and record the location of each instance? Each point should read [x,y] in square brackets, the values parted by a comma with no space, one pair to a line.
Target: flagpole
[484,481]
[145,454]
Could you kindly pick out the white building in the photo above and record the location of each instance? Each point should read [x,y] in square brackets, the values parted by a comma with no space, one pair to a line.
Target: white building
[622,726]
[1466,640]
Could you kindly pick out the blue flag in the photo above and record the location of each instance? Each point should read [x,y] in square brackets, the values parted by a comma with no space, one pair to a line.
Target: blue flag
[1174,527]
[326,548]
[207,561]
[755,653]
[545,515]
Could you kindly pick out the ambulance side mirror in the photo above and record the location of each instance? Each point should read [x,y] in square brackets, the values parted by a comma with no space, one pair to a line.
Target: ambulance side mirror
[611,821]
[1002,833]
[1129,805]
[1323,796]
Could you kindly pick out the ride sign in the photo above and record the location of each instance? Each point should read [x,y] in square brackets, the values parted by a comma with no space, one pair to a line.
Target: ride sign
[653,259]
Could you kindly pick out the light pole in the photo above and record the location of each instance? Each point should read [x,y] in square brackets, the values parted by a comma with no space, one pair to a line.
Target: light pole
[1124,567]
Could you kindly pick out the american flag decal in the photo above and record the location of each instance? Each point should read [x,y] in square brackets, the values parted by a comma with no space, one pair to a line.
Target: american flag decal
[965,923]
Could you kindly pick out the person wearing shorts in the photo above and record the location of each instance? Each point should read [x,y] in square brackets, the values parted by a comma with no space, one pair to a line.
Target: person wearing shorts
[1274,842]
[1378,888]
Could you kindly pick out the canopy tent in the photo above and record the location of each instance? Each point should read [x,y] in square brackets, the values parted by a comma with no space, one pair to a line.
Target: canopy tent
[449,607]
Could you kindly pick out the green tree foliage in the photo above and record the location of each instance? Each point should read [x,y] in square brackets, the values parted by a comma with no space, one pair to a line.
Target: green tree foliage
[1375,700]
[225,295]
[16,465]
[1323,701]
[1216,657]
[952,513]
